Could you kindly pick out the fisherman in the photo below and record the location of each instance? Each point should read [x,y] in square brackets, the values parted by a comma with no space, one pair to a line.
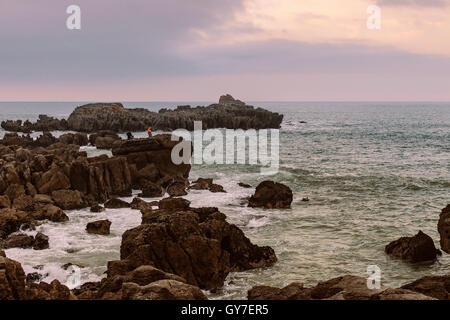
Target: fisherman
[149,131]
[130,136]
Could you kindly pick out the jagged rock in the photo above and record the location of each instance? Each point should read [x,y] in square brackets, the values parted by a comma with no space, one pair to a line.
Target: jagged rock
[444,228]
[294,291]
[44,123]
[177,189]
[101,227]
[18,241]
[23,203]
[151,190]
[44,291]
[434,286]
[40,241]
[69,199]
[11,220]
[52,180]
[206,184]
[49,212]
[115,203]
[66,266]
[139,204]
[97,208]
[271,195]
[12,280]
[43,199]
[104,139]
[196,244]
[162,290]
[413,249]
[79,139]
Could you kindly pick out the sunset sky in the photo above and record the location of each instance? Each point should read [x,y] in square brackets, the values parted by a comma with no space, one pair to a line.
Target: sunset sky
[195,50]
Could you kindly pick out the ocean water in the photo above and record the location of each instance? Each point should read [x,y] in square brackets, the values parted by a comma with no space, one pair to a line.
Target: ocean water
[373,172]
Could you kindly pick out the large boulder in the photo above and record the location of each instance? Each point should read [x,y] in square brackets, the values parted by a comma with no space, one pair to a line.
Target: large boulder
[18,241]
[196,244]
[116,203]
[444,228]
[49,212]
[151,190]
[413,249]
[79,139]
[271,195]
[11,220]
[40,241]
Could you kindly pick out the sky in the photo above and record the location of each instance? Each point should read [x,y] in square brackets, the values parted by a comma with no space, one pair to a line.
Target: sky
[196,50]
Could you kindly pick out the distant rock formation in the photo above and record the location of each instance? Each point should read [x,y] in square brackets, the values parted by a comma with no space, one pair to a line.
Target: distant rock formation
[228,113]
[271,195]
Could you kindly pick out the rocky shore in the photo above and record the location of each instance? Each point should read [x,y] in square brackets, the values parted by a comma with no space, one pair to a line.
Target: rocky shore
[178,251]
[228,113]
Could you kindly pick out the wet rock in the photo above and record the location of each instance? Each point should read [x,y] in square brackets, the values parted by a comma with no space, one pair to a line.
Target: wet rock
[97,208]
[271,195]
[173,204]
[43,199]
[244,185]
[11,220]
[68,265]
[162,290]
[52,180]
[79,139]
[341,288]
[69,199]
[195,244]
[34,277]
[444,228]
[101,227]
[116,203]
[49,212]
[18,241]
[40,241]
[139,204]
[413,249]
[437,287]
[177,189]
[400,294]
[151,190]
[44,291]
[206,184]
[12,280]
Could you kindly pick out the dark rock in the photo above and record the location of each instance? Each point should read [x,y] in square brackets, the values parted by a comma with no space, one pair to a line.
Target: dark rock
[196,244]
[271,195]
[49,212]
[11,220]
[413,249]
[229,113]
[244,185]
[139,204]
[101,227]
[97,208]
[173,203]
[177,189]
[437,287]
[116,203]
[18,241]
[40,241]
[79,139]
[69,199]
[12,280]
[162,290]
[206,184]
[444,228]
[4,202]
[151,190]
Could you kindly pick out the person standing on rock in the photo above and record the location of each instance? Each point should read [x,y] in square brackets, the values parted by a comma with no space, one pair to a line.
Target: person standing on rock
[149,131]
[130,136]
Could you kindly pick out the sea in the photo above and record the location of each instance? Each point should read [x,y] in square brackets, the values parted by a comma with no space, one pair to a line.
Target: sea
[373,172]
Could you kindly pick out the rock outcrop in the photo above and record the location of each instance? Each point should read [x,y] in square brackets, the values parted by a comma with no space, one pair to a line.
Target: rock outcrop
[206,184]
[271,195]
[444,228]
[340,288]
[229,113]
[195,244]
[419,248]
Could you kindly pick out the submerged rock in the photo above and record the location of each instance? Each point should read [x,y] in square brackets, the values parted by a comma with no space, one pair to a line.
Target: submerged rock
[413,249]
[271,195]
